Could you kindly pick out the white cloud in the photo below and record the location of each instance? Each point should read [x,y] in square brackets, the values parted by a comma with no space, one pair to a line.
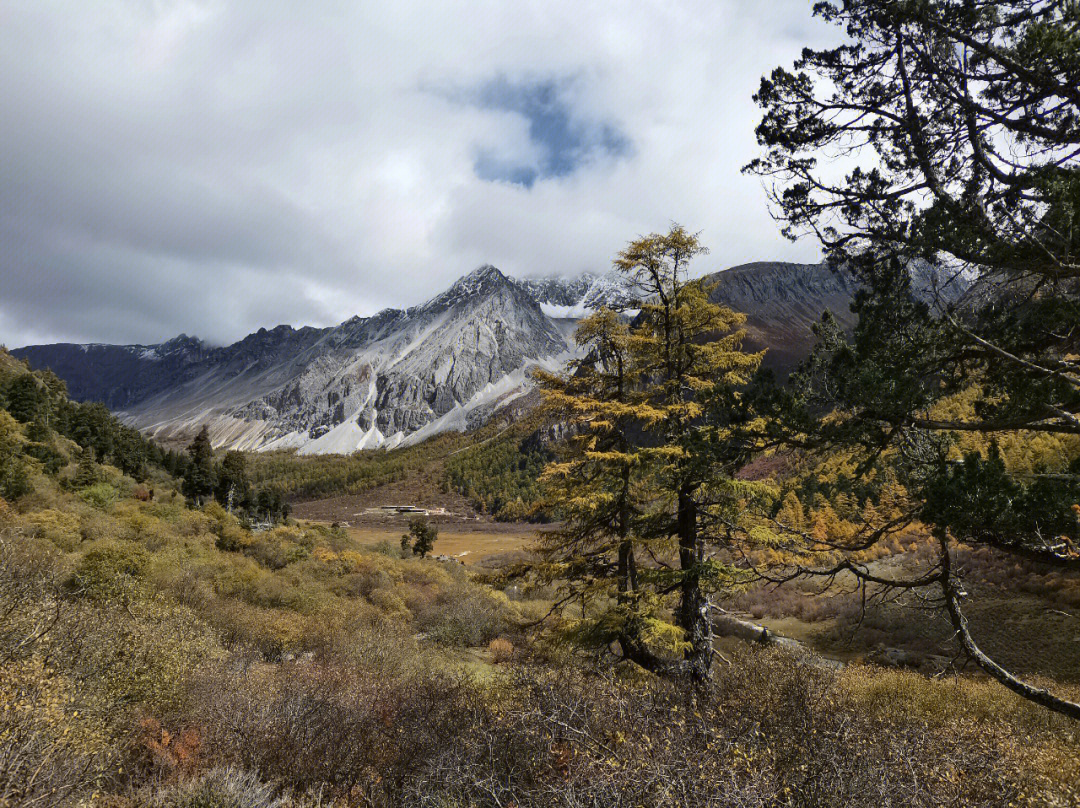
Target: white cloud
[213,167]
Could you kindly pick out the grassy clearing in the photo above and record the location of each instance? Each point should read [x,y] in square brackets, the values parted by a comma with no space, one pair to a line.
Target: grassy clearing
[1019,614]
[470,546]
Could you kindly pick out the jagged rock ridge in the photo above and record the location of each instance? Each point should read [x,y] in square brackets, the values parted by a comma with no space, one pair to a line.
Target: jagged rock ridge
[369,382]
[575,296]
[402,375]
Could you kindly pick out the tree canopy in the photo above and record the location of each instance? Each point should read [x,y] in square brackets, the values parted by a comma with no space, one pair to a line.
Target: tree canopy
[934,154]
[649,410]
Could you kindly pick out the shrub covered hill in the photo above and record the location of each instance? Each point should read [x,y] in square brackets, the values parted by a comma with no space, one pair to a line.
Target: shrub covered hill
[157,653]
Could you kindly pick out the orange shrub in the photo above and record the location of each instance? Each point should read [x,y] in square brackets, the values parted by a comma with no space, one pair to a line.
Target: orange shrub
[502,650]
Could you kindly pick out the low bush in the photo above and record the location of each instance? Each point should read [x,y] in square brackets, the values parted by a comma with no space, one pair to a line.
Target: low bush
[110,570]
[216,788]
[464,616]
[100,495]
[501,649]
[307,724]
[58,527]
[51,752]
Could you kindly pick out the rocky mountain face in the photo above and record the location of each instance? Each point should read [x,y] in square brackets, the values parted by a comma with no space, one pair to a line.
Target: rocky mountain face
[782,302]
[574,297]
[118,375]
[556,290]
[402,375]
[369,382]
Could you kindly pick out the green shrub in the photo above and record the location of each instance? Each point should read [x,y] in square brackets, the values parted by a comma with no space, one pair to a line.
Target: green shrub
[61,528]
[388,548]
[111,570]
[51,460]
[388,601]
[277,549]
[99,495]
[464,615]
[231,537]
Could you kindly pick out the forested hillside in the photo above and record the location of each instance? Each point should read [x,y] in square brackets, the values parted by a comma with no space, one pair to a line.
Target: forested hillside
[500,474]
[312,477]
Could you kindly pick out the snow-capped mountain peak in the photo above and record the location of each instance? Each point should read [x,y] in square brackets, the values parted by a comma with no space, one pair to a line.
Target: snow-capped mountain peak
[574,297]
[481,282]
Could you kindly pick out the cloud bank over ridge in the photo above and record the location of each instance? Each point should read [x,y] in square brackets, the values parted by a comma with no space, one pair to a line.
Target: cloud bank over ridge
[212,167]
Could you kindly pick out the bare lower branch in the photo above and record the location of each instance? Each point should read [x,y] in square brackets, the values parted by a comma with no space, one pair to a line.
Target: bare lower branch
[1038,695]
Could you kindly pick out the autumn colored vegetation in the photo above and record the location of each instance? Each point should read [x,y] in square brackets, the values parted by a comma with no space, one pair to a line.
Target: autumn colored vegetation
[317,476]
[152,653]
[169,637]
[500,475]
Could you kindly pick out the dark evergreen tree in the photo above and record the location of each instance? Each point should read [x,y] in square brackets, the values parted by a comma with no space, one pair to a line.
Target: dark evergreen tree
[86,472]
[14,481]
[27,398]
[38,431]
[270,505]
[199,477]
[130,453]
[175,463]
[233,490]
[92,426]
[960,122]
[421,536]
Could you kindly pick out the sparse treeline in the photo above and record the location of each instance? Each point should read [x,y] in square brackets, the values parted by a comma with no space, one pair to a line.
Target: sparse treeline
[497,468]
[38,400]
[227,482]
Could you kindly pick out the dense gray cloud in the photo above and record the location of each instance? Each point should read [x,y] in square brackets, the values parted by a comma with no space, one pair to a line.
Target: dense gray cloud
[212,167]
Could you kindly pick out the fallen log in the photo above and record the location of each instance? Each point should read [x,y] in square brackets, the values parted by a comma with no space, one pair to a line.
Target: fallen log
[728,625]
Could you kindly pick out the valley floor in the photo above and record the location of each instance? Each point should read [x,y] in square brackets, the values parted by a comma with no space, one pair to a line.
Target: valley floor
[480,543]
[464,534]
[1036,631]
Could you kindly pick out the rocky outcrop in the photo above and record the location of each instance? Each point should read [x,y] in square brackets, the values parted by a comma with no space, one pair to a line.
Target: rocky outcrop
[574,297]
[782,302]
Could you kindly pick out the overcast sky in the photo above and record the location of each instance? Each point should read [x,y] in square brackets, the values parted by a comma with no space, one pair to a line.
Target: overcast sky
[213,167]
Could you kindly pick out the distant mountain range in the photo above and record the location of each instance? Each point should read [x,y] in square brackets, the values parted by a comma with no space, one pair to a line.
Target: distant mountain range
[402,375]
